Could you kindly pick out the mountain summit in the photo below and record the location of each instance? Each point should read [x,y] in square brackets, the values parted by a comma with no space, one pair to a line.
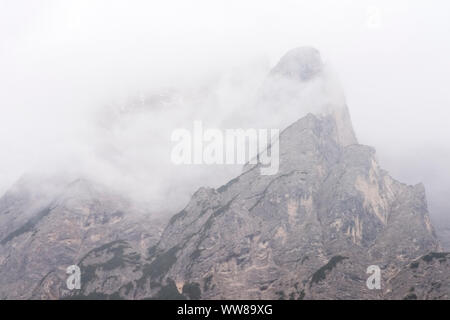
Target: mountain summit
[301,63]
[311,231]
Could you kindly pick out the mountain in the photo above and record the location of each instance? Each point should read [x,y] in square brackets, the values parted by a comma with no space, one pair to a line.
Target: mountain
[308,232]
[42,233]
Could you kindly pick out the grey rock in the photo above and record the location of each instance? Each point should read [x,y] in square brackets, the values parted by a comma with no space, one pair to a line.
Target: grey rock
[36,248]
[309,232]
[301,63]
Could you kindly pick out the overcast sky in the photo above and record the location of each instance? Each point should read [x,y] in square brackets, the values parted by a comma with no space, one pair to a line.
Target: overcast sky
[61,62]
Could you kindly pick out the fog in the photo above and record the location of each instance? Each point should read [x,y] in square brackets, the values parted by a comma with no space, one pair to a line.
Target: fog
[96,87]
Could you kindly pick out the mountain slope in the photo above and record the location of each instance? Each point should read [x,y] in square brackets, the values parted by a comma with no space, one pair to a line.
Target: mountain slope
[40,242]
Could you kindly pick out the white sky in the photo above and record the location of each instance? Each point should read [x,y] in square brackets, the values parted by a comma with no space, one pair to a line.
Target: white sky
[60,60]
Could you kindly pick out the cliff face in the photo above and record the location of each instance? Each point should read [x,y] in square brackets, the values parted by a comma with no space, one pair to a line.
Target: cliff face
[443,232]
[308,232]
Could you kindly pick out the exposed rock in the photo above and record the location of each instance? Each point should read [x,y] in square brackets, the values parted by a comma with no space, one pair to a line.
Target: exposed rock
[309,232]
[41,241]
[301,63]
[424,278]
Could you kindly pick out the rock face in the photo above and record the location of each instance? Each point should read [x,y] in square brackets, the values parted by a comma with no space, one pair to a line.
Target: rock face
[300,64]
[425,278]
[308,232]
[42,235]
[443,232]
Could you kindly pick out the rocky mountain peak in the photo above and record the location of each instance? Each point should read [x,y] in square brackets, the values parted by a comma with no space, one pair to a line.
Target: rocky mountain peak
[299,84]
[302,63]
[308,232]
[328,214]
